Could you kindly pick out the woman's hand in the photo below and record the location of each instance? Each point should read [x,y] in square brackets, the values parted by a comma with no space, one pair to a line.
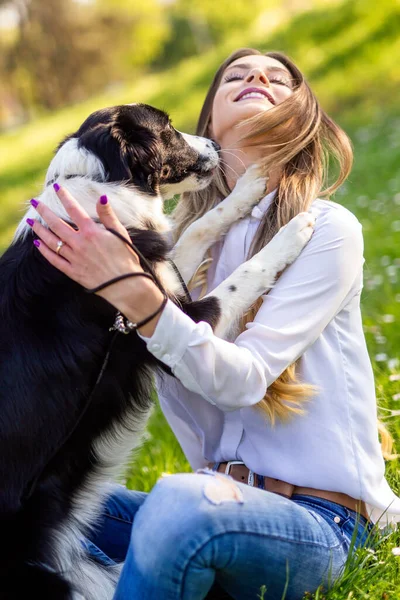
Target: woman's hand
[92,255]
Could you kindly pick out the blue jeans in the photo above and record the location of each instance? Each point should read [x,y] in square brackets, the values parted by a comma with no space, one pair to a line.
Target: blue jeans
[196,532]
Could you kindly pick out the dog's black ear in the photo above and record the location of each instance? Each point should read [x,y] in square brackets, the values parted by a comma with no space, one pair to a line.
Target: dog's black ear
[141,154]
[128,151]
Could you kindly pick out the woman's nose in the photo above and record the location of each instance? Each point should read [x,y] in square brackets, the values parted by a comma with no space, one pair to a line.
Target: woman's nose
[257,75]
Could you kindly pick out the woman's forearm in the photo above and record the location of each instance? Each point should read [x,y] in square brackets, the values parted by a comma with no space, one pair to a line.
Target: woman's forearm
[136,299]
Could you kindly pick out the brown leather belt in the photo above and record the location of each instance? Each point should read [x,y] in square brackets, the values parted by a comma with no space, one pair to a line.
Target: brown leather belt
[238,471]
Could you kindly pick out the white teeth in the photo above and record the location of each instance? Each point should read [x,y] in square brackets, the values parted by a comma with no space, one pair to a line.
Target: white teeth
[253,95]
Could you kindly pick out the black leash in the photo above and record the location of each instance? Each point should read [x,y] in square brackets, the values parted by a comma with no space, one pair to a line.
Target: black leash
[151,275]
[183,284]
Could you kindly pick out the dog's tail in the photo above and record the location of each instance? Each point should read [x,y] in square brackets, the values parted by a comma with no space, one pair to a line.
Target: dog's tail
[33,581]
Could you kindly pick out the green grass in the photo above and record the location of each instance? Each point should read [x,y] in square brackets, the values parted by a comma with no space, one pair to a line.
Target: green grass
[348,51]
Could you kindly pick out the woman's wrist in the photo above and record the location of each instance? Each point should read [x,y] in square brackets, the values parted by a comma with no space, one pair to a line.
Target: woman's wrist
[136,299]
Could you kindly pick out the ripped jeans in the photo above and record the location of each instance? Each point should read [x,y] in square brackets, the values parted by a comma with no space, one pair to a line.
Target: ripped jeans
[204,535]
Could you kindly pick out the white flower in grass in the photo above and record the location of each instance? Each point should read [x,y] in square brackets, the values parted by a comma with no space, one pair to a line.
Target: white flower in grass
[396,397]
[393,363]
[388,318]
[396,551]
[377,206]
[394,377]
[396,225]
[363,201]
[394,413]
[381,357]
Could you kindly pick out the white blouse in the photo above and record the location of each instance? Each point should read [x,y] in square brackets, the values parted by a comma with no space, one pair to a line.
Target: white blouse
[313,312]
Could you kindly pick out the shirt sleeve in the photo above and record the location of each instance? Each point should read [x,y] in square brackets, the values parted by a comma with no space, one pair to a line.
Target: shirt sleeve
[306,297]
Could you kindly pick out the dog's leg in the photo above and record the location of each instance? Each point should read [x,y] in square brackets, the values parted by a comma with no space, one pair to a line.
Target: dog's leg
[253,278]
[200,235]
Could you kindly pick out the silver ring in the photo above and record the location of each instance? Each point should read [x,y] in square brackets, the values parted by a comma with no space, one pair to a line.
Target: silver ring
[60,244]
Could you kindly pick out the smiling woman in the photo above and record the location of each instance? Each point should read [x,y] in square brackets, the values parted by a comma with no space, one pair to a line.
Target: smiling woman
[286,406]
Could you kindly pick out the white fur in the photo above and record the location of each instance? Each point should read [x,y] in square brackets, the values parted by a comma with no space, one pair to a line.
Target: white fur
[258,275]
[70,159]
[132,207]
[201,234]
[191,183]
[203,146]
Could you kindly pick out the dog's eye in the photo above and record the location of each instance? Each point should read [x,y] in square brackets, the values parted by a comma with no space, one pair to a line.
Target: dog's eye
[165,171]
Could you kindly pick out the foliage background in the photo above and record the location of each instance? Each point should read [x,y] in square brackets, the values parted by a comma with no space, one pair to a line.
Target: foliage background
[61,59]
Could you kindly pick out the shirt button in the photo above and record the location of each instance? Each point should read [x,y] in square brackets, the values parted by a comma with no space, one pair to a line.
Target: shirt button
[167,357]
[155,347]
[337,519]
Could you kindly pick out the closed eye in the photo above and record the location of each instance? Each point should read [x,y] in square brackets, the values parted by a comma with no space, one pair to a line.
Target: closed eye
[272,79]
[233,77]
[280,81]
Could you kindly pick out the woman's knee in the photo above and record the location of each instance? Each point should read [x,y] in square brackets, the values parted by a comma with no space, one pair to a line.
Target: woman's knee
[186,509]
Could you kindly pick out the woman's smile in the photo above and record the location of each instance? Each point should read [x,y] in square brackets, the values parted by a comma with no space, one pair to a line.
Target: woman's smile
[254,94]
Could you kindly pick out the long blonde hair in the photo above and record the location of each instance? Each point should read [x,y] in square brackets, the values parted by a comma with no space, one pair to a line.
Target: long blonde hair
[300,140]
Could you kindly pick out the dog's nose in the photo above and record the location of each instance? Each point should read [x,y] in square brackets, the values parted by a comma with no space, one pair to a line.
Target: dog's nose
[216,146]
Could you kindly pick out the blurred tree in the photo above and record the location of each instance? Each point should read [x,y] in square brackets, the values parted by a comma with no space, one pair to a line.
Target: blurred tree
[64,50]
[196,25]
[147,31]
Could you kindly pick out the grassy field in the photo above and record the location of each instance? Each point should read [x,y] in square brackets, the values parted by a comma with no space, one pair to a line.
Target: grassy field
[347,51]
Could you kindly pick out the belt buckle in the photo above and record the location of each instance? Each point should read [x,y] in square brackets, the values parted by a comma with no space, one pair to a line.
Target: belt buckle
[250,479]
[230,463]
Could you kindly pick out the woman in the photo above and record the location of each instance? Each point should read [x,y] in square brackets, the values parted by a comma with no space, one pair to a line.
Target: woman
[291,398]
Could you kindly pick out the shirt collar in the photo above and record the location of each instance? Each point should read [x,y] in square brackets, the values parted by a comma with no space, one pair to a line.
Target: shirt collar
[260,209]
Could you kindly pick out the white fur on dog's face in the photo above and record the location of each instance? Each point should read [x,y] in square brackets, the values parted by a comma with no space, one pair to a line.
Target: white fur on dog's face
[194,182]
[203,146]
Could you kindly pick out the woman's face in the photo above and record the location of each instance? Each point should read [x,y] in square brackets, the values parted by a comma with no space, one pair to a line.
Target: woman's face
[249,85]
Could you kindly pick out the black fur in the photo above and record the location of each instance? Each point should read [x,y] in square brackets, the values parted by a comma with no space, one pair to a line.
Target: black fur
[53,341]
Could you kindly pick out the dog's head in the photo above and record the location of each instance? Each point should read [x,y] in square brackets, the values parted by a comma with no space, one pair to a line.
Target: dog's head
[136,144]
[134,155]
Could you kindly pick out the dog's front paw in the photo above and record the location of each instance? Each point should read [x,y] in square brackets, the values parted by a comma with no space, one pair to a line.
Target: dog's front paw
[248,191]
[292,237]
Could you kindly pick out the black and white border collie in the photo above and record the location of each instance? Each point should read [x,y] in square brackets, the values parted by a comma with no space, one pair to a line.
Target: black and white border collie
[57,450]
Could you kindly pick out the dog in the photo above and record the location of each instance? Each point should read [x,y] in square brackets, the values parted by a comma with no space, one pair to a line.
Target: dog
[72,406]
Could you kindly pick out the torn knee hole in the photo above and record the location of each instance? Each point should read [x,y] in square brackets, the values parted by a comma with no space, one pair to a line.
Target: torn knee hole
[222,488]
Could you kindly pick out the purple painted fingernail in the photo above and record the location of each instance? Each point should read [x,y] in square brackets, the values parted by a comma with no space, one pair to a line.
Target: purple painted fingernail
[103,199]
[34,202]
[30,222]
[37,243]
[56,186]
